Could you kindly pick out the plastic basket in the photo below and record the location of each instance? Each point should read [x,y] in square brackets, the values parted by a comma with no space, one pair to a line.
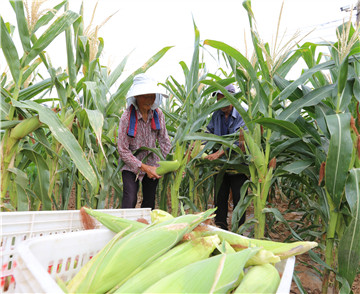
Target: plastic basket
[40,261]
[17,227]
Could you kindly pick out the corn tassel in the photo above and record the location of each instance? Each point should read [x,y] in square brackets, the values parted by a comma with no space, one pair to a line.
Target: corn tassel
[260,279]
[282,250]
[217,274]
[115,223]
[123,260]
[176,258]
[167,167]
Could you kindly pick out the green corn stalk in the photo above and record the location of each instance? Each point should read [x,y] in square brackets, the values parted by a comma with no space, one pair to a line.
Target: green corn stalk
[261,177]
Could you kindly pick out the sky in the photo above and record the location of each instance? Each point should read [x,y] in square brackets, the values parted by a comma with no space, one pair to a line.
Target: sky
[143,27]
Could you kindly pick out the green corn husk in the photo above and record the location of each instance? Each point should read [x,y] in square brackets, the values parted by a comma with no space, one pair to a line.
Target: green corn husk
[134,252]
[282,250]
[176,258]
[81,277]
[225,247]
[217,274]
[158,215]
[167,166]
[263,257]
[115,223]
[259,279]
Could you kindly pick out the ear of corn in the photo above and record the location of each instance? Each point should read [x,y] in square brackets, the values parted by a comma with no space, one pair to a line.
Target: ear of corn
[176,258]
[129,255]
[114,223]
[158,215]
[282,250]
[217,274]
[25,127]
[167,167]
[257,155]
[260,279]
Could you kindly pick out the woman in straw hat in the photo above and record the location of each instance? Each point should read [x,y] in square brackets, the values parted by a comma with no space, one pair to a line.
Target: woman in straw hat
[142,125]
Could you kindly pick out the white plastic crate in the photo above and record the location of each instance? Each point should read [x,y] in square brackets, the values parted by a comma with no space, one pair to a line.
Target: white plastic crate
[40,261]
[17,227]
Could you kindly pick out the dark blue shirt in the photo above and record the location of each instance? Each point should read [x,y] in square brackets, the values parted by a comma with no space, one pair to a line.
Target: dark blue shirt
[220,126]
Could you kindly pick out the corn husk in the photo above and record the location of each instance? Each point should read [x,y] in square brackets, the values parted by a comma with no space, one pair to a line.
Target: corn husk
[132,253]
[158,215]
[176,258]
[114,223]
[282,250]
[259,279]
[217,274]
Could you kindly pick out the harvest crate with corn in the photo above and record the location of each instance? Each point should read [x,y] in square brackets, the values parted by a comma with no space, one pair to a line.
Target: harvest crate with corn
[170,254]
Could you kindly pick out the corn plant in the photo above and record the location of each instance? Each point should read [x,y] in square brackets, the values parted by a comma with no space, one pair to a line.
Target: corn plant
[323,114]
[18,106]
[317,114]
[77,138]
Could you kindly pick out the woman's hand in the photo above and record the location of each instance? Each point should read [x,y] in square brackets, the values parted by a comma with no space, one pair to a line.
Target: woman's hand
[150,171]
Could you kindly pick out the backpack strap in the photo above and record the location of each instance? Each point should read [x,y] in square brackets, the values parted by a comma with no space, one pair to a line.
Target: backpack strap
[133,121]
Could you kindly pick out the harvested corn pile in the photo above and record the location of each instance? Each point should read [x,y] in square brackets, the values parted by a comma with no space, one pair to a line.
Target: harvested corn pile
[181,255]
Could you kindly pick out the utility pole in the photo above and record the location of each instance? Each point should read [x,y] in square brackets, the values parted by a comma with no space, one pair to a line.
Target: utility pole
[348,8]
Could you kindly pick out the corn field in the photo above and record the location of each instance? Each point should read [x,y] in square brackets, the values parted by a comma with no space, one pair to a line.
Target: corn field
[302,142]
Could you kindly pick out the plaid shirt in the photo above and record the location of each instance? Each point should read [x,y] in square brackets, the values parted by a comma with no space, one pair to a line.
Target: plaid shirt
[145,137]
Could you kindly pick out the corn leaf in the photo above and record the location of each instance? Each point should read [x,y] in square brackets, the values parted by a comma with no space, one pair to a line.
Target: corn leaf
[248,67]
[10,52]
[70,57]
[96,120]
[42,181]
[303,78]
[349,247]
[22,24]
[281,126]
[56,28]
[298,166]
[339,155]
[22,182]
[64,136]
[48,16]
[117,100]
[292,112]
